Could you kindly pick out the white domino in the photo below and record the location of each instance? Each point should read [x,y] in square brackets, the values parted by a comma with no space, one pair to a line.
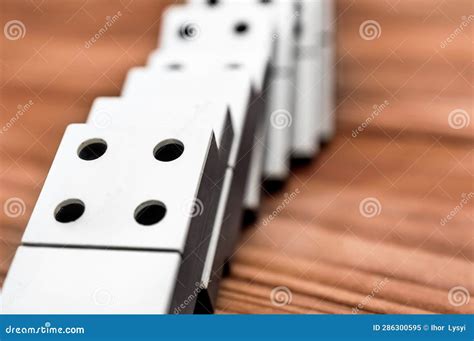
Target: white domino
[281,107]
[201,86]
[309,85]
[222,33]
[225,29]
[328,121]
[113,195]
[258,65]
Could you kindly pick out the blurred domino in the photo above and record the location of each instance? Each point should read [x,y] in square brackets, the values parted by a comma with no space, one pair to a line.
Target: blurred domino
[225,29]
[281,108]
[191,30]
[308,104]
[329,88]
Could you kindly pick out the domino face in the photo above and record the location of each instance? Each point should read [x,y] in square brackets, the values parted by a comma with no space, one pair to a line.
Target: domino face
[112,193]
[164,185]
[79,281]
[168,112]
[232,87]
[258,65]
[236,28]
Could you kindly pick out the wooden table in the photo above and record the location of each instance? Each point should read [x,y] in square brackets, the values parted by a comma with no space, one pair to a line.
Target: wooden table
[318,248]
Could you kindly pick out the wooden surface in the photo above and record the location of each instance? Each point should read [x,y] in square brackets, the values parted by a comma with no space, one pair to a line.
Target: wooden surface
[312,243]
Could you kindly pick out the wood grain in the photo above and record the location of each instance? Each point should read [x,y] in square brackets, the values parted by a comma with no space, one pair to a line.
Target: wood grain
[311,239]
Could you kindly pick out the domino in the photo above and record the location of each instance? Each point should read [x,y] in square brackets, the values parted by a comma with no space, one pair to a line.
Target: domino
[328,122]
[247,27]
[233,85]
[167,89]
[281,109]
[147,207]
[258,65]
[309,82]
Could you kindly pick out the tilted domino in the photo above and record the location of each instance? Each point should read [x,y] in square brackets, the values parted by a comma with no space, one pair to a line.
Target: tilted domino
[201,85]
[308,102]
[190,30]
[108,209]
[225,29]
[281,107]
[258,64]
[329,88]
[169,90]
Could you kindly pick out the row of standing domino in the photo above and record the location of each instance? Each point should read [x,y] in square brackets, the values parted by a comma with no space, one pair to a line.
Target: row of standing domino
[142,207]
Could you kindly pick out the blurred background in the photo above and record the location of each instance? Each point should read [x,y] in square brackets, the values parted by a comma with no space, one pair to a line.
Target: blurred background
[380,222]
